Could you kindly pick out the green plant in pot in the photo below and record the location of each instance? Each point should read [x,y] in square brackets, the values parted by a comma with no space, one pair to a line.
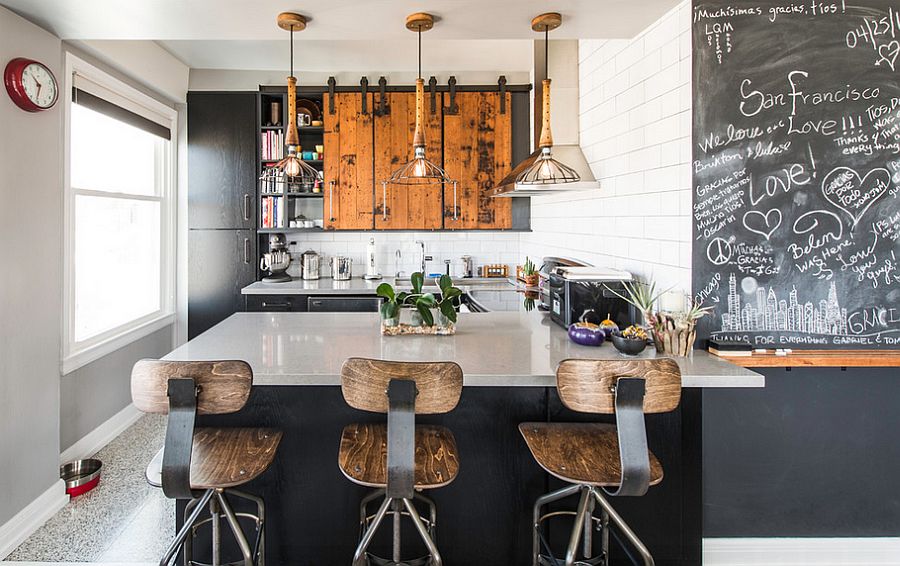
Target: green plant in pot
[530,273]
[422,304]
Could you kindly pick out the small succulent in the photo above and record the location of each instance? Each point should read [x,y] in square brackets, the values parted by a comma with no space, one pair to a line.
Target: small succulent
[529,267]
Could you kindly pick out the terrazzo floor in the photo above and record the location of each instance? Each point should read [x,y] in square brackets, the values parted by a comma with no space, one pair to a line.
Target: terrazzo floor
[123,520]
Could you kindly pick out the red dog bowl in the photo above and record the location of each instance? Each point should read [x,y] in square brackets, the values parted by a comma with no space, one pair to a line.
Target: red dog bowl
[81,476]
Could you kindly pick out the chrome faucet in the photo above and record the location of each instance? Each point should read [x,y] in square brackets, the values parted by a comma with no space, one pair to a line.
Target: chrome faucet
[397,257]
[425,258]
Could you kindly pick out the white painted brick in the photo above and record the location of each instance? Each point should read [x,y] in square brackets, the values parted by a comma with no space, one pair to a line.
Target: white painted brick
[665,80]
[630,98]
[630,55]
[663,130]
[643,69]
[685,46]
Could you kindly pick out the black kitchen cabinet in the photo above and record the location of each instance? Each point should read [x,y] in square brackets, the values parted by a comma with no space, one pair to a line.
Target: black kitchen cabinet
[342,303]
[222,160]
[221,263]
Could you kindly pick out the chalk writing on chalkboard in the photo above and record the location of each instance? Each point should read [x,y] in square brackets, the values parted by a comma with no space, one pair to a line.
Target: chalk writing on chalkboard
[796,171]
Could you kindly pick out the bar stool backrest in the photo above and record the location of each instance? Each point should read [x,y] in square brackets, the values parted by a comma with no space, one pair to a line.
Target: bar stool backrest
[223,386]
[588,386]
[364,383]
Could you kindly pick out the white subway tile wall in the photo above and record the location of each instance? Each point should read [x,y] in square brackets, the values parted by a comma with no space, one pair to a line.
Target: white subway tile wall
[635,121]
[484,247]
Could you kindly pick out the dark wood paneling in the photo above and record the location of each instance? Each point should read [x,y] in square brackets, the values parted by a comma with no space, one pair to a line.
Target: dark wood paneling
[409,207]
[221,263]
[221,160]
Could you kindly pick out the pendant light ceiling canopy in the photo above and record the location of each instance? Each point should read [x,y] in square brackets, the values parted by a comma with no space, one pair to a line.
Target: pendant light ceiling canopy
[419,171]
[295,169]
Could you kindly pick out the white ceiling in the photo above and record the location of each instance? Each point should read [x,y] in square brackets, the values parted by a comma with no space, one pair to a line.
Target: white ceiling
[234,20]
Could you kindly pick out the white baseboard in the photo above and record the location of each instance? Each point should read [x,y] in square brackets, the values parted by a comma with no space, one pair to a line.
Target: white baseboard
[101,436]
[874,551]
[25,522]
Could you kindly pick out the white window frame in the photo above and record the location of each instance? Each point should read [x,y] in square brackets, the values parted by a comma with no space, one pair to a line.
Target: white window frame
[77,354]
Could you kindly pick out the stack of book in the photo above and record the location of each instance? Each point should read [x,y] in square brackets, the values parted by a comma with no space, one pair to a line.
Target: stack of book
[272,212]
[730,348]
[272,145]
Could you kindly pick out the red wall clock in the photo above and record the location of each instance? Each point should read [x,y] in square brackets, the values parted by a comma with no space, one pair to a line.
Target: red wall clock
[30,84]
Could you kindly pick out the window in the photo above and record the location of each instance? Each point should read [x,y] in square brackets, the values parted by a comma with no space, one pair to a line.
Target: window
[119,215]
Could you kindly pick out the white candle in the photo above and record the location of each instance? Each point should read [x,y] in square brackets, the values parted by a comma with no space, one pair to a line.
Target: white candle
[672,301]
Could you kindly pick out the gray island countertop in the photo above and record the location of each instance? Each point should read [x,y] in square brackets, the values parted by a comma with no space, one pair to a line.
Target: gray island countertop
[499,349]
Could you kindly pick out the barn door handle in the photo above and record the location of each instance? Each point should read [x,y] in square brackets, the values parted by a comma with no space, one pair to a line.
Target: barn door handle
[245,209]
[384,213]
[501,82]
[247,250]
[331,201]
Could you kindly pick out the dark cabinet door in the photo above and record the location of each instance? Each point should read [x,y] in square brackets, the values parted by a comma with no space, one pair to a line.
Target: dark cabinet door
[221,160]
[221,263]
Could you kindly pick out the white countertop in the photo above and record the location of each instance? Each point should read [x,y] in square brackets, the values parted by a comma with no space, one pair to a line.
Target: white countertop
[505,349]
[360,286]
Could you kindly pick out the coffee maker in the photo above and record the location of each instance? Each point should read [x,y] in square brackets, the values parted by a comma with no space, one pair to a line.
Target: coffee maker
[276,260]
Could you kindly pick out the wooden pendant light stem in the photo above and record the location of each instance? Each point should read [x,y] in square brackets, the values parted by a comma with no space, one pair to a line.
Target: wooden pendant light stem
[419,136]
[292,138]
[546,134]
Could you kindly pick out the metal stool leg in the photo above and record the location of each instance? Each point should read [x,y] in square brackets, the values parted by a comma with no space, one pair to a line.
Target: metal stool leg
[188,545]
[259,548]
[417,521]
[587,538]
[359,557]
[185,531]
[432,514]
[572,550]
[236,530]
[604,536]
[624,528]
[536,524]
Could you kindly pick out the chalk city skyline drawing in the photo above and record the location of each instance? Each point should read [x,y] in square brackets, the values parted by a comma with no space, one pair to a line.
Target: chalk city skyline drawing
[769,313]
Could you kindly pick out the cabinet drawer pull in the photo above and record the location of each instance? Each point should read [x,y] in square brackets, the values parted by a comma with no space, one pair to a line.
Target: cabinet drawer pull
[247,250]
[266,305]
[246,206]
[384,207]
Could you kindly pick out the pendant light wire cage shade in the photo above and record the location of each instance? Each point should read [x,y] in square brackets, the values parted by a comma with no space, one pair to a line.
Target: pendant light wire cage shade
[547,171]
[419,170]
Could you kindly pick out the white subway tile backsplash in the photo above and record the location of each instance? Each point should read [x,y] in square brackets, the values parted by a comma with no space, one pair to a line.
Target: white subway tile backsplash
[640,218]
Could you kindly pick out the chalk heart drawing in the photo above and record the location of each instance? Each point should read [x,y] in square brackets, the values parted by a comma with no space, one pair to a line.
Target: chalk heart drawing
[844,188]
[888,52]
[763,224]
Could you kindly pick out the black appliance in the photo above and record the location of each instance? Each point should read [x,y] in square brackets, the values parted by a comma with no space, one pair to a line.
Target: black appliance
[590,295]
[548,266]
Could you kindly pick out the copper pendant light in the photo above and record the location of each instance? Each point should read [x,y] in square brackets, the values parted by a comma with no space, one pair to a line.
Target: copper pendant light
[419,171]
[294,169]
[545,170]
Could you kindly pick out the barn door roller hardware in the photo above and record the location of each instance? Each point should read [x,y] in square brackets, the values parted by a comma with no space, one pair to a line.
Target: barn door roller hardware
[452,108]
[383,108]
[501,82]
[331,83]
[364,89]
[432,86]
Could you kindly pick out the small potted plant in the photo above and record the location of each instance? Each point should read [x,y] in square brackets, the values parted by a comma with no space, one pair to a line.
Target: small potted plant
[422,307]
[529,273]
[673,333]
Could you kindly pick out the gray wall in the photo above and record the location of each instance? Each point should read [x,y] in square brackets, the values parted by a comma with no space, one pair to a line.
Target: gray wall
[93,393]
[31,214]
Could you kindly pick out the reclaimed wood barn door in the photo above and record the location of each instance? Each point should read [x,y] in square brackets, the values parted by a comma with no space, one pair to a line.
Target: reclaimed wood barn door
[478,154]
[406,207]
[348,166]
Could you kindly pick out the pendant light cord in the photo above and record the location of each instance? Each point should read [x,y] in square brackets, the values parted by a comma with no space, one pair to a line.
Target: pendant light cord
[546,52]
[420,52]
[292,51]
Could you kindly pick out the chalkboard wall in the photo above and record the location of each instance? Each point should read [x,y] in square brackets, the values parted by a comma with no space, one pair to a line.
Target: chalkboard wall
[796,172]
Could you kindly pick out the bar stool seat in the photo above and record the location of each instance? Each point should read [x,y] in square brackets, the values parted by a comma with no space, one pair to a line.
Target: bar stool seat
[224,457]
[363,455]
[582,453]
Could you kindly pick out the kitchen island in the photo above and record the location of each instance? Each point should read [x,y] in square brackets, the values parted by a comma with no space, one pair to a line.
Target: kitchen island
[508,359]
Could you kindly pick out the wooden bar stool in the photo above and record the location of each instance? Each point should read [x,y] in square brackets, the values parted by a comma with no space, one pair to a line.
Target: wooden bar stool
[601,458]
[205,465]
[399,459]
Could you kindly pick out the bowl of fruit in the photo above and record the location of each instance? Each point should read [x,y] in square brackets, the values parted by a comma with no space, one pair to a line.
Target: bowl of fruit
[630,341]
[586,334]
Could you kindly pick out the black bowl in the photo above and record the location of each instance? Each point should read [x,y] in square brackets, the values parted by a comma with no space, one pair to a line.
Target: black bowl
[630,346]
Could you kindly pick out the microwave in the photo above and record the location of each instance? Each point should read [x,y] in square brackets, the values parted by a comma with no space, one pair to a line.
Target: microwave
[590,295]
